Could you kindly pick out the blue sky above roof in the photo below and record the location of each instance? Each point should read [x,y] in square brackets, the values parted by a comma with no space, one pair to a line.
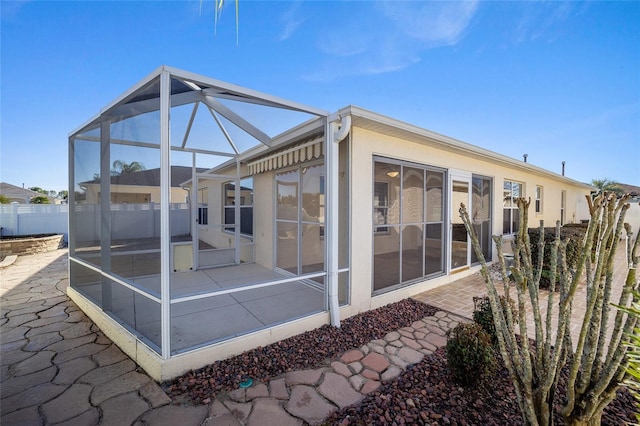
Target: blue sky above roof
[558,81]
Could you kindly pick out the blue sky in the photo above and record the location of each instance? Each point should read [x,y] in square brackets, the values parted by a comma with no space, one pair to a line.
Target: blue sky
[559,81]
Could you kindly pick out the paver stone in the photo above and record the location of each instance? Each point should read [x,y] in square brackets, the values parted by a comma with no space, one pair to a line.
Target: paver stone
[341,369]
[357,381]
[69,371]
[436,340]
[278,389]
[102,375]
[267,411]
[26,416]
[118,386]
[111,355]
[304,377]
[351,356]
[154,394]
[69,404]
[88,418]
[260,390]
[337,389]
[37,343]
[39,361]
[375,362]
[239,409]
[390,374]
[370,386]
[410,355]
[33,396]
[122,409]
[306,404]
[18,384]
[176,415]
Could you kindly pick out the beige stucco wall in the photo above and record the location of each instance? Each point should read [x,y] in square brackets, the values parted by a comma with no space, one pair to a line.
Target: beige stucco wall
[367,144]
[178,195]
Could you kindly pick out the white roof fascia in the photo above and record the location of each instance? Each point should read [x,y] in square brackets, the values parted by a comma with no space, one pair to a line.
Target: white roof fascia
[451,143]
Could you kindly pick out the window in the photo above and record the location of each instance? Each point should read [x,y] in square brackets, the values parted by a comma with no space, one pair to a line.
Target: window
[246,206]
[538,199]
[481,202]
[563,207]
[407,208]
[511,219]
[380,206]
[203,209]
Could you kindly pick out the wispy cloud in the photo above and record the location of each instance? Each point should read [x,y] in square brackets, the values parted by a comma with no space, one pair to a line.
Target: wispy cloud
[291,21]
[541,20]
[390,36]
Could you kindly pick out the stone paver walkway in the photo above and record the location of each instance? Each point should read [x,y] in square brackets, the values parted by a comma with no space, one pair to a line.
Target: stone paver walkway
[58,368]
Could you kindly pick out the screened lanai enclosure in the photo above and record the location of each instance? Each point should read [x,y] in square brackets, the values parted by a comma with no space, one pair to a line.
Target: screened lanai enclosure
[203,211]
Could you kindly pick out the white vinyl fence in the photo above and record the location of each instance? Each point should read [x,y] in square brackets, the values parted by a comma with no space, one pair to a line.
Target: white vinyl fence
[29,219]
[127,220]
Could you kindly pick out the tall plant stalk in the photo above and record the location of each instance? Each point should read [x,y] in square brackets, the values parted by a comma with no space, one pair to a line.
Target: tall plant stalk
[596,361]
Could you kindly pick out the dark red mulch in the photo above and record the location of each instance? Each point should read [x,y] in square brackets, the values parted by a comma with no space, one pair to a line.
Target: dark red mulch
[426,395]
[299,352]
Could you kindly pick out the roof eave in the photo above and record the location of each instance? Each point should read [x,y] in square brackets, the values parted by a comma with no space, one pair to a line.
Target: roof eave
[422,135]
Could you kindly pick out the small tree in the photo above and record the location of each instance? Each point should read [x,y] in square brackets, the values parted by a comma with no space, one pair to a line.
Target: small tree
[606,185]
[4,199]
[40,199]
[596,367]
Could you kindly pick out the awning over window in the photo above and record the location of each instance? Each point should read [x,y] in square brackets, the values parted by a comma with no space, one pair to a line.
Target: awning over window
[299,153]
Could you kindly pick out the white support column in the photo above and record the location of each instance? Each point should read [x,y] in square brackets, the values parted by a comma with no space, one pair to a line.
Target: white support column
[332,138]
[165,231]
[105,211]
[236,212]
[193,203]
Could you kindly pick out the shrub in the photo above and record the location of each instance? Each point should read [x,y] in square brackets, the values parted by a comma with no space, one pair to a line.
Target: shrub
[573,234]
[483,315]
[470,354]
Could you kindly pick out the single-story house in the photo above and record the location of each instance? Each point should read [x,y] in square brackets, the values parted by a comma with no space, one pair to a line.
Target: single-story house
[296,218]
[20,195]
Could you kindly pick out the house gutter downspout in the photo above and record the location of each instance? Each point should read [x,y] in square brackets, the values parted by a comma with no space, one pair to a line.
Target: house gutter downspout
[335,132]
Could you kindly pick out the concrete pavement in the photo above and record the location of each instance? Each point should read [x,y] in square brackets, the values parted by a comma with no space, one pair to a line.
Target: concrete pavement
[58,368]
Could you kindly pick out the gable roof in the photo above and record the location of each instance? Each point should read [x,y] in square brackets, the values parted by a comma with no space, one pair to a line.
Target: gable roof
[13,191]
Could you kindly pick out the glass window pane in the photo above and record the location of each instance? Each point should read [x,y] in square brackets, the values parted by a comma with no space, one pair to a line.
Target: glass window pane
[433,253]
[386,259]
[85,219]
[287,246]
[312,248]
[313,194]
[434,196]
[287,193]
[412,194]
[387,175]
[412,252]
[506,221]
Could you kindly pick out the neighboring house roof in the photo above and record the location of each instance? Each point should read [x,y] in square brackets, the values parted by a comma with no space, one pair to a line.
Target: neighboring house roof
[151,177]
[630,189]
[16,193]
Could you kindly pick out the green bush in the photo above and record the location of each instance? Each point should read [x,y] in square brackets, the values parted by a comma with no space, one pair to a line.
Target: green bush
[483,315]
[470,355]
[572,233]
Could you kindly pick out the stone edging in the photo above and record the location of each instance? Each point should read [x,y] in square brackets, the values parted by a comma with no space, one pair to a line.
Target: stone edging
[313,395]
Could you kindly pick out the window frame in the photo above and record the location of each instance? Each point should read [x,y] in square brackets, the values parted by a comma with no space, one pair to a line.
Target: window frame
[539,197]
[229,228]
[513,207]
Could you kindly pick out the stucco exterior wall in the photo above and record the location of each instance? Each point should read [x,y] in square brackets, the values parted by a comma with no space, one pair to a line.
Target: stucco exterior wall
[367,144]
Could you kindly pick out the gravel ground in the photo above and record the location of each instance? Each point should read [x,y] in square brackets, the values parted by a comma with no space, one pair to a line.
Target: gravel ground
[424,394]
[291,354]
